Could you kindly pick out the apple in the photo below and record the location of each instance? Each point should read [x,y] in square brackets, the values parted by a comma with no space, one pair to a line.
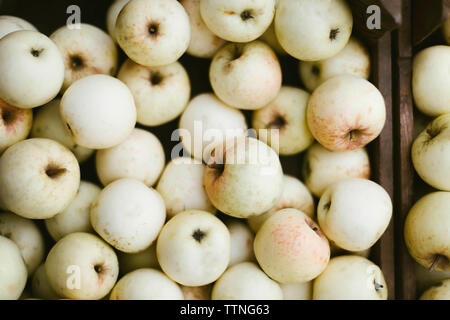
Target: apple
[196,293]
[181,186]
[129,262]
[32,69]
[146,284]
[13,272]
[194,248]
[81,266]
[313,30]
[445,29]
[27,236]
[426,278]
[245,281]
[49,124]
[160,93]
[270,38]
[346,113]
[111,16]
[98,111]
[140,156]
[241,242]
[40,286]
[153,33]
[206,122]
[246,76]
[128,215]
[322,167]
[38,178]
[431,153]
[440,292]
[243,178]
[350,278]
[426,231]
[297,291]
[10,24]
[287,114]
[354,59]
[15,124]
[76,217]
[294,195]
[431,80]
[291,248]
[204,43]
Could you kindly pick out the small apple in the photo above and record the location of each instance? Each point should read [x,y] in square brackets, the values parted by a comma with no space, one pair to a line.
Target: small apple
[10,24]
[440,292]
[241,242]
[286,113]
[129,262]
[13,272]
[350,278]
[81,266]
[431,80]
[243,178]
[426,231]
[38,178]
[431,153]
[140,156]
[194,248]
[146,284]
[98,111]
[128,215]
[160,93]
[245,281]
[204,43]
[270,38]
[153,33]
[40,287]
[112,14]
[15,124]
[297,291]
[181,186]
[31,68]
[354,59]
[196,293]
[290,247]
[313,30]
[294,195]
[27,236]
[246,76]
[322,167]
[346,113]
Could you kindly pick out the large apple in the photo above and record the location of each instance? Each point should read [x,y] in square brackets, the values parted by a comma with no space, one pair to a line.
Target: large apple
[10,24]
[15,124]
[13,272]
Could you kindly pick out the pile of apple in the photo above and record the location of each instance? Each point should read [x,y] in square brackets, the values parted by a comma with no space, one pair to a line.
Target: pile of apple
[155,224]
[427,226]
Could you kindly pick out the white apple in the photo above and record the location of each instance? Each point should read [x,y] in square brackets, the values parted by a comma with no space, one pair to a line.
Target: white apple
[426,278]
[354,59]
[270,38]
[13,272]
[204,43]
[140,156]
[153,33]
[246,76]
[431,153]
[129,262]
[81,266]
[146,284]
[197,293]
[445,29]
[48,124]
[181,186]
[160,93]
[128,215]
[111,16]
[431,80]
[290,247]
[426,231]
[32,69]
[15,124]
[346,113]
[322,167]
[206,122]
[440,292]
[194,248]
[27,236]
[40,287]
[238,20]
[10,24]
[297,291]
[350,278]
[241,242]
[287,114]
[294,194]
[245,281]
[76,217]
[354,213]
[98,111]
[312,30]
[244,177]
[38,178]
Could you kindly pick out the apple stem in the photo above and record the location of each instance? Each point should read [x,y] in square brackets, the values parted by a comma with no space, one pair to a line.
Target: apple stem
[435,262]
